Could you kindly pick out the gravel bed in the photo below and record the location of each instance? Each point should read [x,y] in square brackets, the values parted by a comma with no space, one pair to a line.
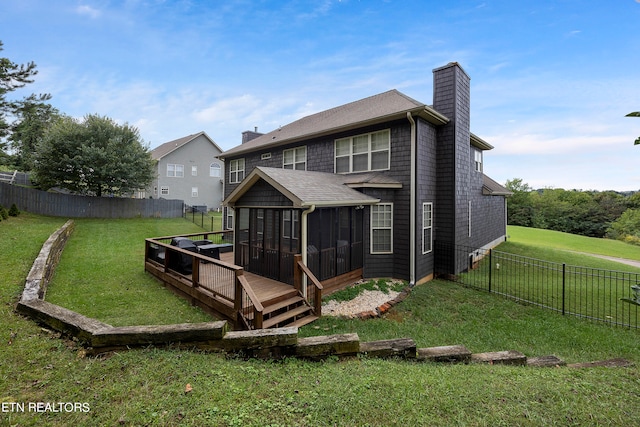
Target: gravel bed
[366,301]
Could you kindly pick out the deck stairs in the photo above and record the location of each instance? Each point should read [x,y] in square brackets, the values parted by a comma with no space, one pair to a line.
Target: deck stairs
[289,309]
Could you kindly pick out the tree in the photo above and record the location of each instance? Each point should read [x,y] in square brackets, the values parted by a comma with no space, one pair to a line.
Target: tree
[519,207]
[34,116]
[94,156]
[635,114]
[13,76]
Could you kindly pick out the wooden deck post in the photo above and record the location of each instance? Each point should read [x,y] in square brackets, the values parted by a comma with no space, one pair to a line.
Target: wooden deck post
[297,274]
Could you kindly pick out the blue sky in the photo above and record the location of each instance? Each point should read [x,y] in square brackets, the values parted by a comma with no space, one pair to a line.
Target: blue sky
[551,81]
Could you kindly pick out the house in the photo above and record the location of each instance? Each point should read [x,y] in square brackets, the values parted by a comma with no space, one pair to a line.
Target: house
[188,169]
[372,188]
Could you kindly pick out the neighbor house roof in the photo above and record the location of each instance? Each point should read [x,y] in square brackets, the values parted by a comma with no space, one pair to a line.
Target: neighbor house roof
[307,188]
[390,105]
[168,147]
[492,188]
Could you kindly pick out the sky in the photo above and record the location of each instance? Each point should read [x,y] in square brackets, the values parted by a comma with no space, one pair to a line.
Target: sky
[551,81]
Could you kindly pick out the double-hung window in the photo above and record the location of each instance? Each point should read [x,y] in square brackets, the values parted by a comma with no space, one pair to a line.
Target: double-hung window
[368,152]
[215,170]
[477,157]
[427,227]
[382,228]
[175,170]
[236,171]
[295,158]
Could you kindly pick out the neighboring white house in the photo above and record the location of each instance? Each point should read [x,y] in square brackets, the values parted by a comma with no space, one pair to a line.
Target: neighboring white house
[189,170]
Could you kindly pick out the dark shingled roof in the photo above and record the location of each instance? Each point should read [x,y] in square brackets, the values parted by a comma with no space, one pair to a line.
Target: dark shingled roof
[492,188]
[374,109]
[306,188]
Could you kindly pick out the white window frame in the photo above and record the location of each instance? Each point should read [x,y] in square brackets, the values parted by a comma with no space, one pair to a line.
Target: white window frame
[194,191]
[477,160]
[298,158]
[230,219]
[194,170]
[236,171]
[215,170]
[387,208]
[427,227]
[175,170]
[164,190]
[370,151]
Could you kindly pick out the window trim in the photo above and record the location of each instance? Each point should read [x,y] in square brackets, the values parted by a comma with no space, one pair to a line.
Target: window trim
[477,160]
[372,229]
[194,192]
[235,172]
[427,228]
[173,169]
[164,190]
[294,163]
[217,168]
[194,170]
[369,152]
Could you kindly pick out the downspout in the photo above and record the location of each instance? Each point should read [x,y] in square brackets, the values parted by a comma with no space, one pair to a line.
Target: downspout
[412,204]
[304,239]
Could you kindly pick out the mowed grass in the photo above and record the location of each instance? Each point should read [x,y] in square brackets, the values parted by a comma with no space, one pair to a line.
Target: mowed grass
[534,237]
[101,274]
[148,386]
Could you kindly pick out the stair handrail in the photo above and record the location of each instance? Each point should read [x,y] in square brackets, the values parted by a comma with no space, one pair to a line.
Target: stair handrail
[243,287]
[317,286]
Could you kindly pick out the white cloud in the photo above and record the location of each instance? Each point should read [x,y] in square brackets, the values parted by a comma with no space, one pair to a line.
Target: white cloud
[89,11]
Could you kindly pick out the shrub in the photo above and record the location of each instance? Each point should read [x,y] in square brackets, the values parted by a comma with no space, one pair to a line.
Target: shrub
[3,212]
[13,210]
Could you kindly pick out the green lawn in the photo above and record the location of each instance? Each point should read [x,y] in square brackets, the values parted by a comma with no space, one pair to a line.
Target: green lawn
[148,386]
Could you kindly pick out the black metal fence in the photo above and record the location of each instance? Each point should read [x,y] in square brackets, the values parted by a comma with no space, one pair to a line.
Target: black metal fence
[601,295]
[200,217]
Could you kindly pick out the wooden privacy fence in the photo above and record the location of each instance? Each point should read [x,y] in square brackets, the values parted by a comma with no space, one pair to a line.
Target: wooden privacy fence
[72,206]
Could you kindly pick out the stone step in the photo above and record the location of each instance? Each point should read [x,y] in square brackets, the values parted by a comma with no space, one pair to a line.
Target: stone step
[447,353]
[507,357]
[545,361]
[401,347]
[328,345]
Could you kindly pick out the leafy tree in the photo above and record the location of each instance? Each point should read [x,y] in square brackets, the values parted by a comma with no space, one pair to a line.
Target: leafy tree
[94,156]
[14,76]
[635,114]
[519,207]
[627,227]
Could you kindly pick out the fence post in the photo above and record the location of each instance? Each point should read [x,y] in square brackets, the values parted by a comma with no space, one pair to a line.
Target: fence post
[564,271]
[490,267]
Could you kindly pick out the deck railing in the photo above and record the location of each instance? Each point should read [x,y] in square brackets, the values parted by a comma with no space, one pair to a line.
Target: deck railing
[219,285]
[313,291]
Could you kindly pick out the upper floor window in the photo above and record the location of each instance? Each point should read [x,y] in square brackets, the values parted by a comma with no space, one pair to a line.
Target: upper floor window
[194,170]
[295,158]
[368,152]
[215,170]
[236,171]
[175,170]
[478,160]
